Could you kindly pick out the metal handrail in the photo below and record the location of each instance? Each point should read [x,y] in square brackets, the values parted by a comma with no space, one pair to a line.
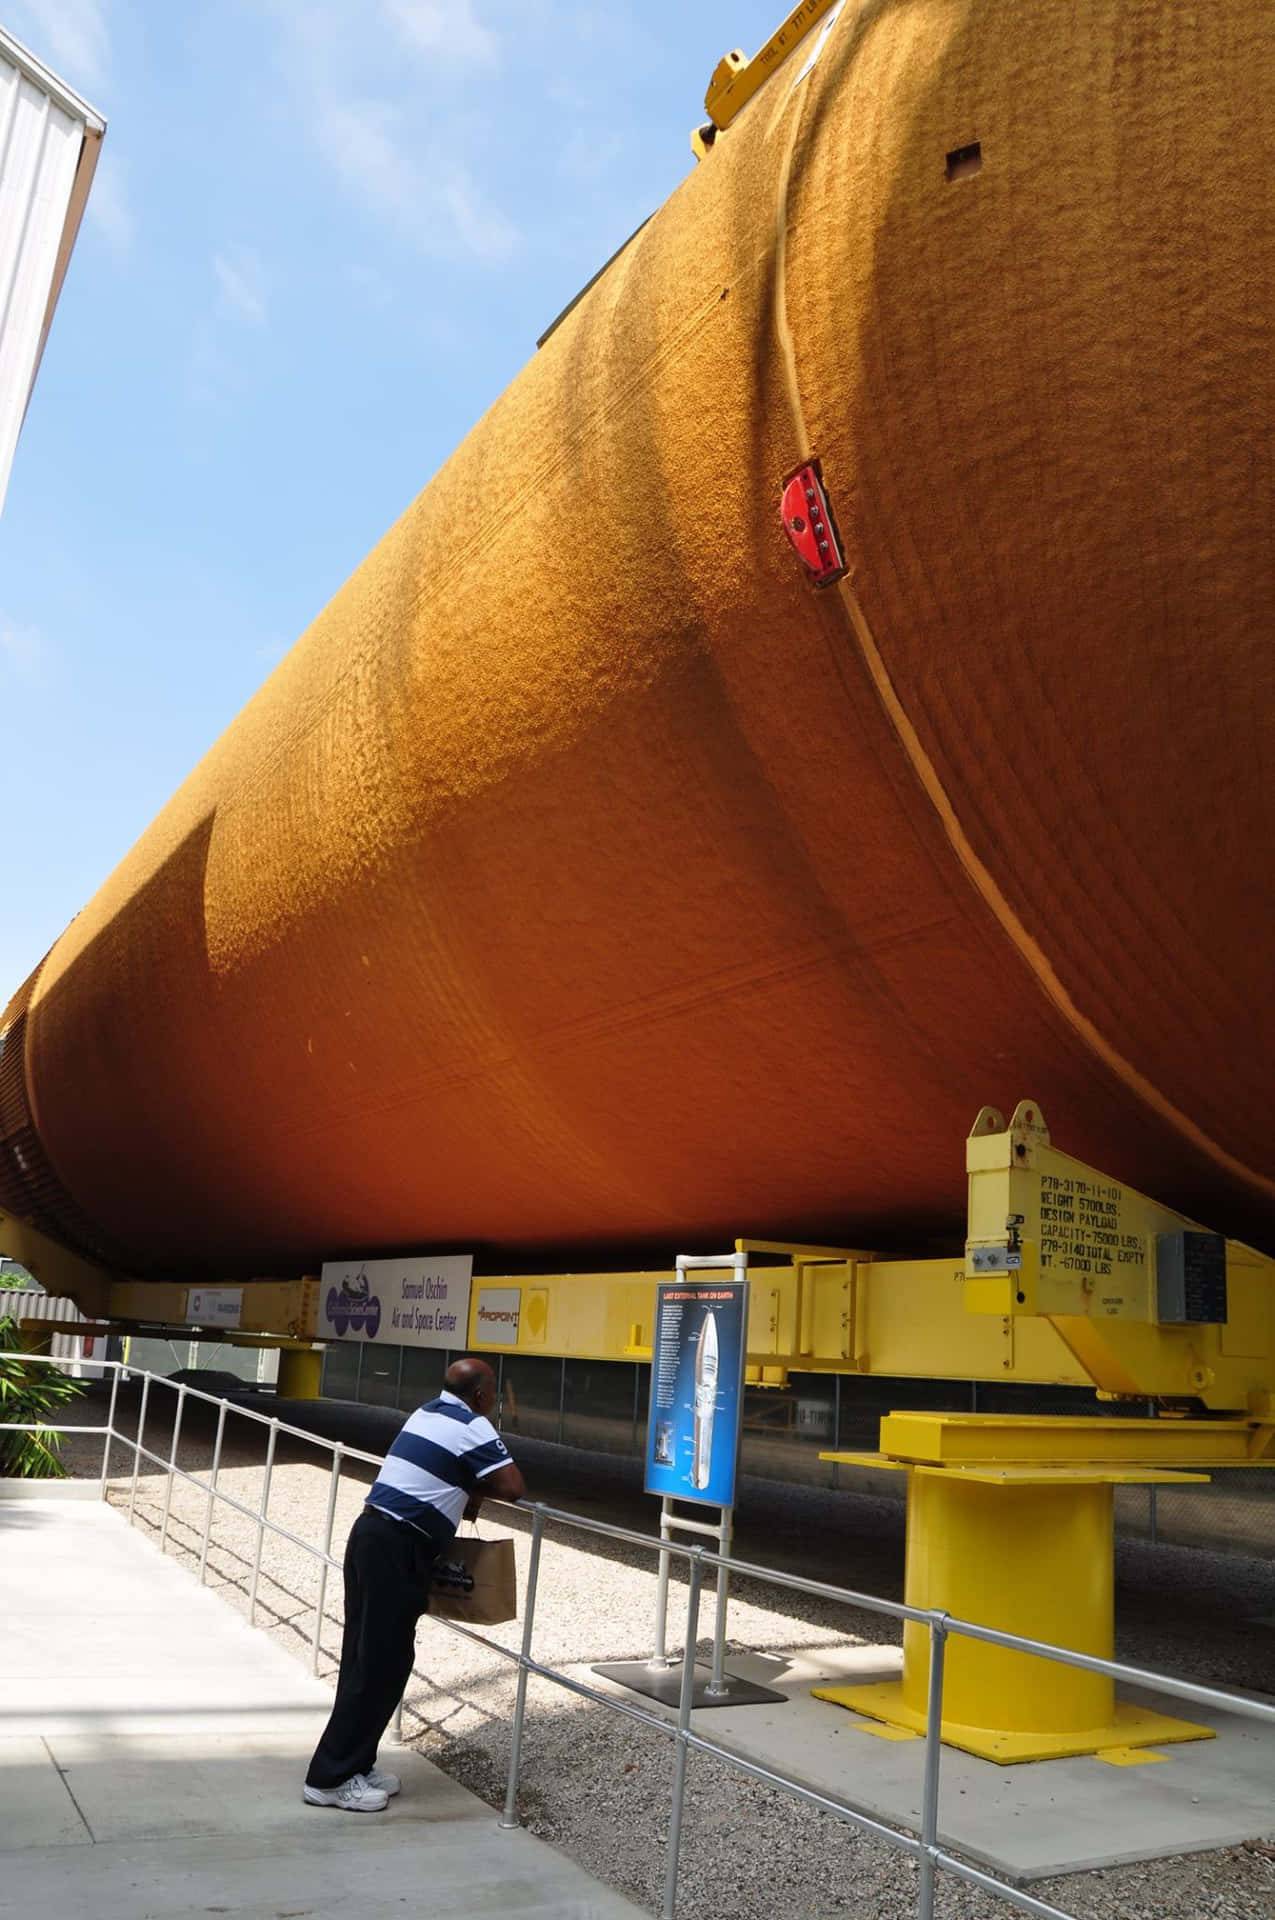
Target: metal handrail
[923,1847]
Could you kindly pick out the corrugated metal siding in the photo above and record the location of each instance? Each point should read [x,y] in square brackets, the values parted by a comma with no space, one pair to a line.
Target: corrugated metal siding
[21,1305]
[40,147]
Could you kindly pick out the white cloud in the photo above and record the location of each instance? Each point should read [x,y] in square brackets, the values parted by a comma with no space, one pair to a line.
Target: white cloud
[588,153]
[217,369]
[359,140]
[483,229]
[446,30]
[109,211]
[70,36]
[392,141]
[22,651]
[370,146]
[242,284]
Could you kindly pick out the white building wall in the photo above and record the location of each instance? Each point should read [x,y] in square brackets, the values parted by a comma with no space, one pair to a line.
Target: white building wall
[48,148]
[20,1305]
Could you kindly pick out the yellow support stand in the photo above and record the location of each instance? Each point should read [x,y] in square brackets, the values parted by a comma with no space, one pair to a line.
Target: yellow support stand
[300,1373]
[1027,1548]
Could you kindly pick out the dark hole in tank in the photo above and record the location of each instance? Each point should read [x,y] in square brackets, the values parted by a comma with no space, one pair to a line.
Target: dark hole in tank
[964,161]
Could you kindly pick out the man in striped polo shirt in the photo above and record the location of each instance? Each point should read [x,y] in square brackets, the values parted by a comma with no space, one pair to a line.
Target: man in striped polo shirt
[431,1477]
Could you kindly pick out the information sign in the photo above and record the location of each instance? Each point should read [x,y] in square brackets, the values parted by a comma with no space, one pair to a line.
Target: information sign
[496,1322]
[214,1306]
[422,1301]
[697,1388]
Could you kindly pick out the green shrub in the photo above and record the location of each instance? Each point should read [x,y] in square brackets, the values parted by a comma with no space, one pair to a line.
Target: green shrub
[33,1393]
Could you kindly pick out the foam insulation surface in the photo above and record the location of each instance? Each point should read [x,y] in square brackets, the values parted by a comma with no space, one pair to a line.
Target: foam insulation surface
[583,878]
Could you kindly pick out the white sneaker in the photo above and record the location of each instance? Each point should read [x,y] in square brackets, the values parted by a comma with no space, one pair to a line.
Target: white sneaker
[355,1795]
[386,1783]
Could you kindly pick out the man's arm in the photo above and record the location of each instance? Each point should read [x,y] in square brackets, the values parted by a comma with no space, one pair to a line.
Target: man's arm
[503,1483]
[494,1472]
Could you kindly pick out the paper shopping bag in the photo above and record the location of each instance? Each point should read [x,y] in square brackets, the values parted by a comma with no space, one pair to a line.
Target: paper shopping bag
[474,1581]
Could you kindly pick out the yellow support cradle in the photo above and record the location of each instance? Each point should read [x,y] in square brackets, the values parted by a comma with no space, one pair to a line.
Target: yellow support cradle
[1011,1520]
[1027,1547]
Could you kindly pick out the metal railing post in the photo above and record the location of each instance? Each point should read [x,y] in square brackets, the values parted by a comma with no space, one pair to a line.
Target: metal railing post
[509,1818]
[137,1446]
[333,1487]
[110,1427]
[933,1758]
[212,1492]
[261,1515]
[685,1702]
[172,1462]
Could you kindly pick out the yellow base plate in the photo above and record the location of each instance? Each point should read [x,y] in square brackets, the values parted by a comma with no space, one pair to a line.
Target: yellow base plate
[1132,1727]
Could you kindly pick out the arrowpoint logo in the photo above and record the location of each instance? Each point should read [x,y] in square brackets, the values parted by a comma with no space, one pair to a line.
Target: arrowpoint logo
[496,1318]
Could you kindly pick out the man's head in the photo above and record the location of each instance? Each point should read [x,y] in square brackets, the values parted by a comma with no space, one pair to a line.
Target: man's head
[472,1381]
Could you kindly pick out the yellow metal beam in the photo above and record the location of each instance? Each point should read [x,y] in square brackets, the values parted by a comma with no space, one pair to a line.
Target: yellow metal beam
[736,78]
[813,1310]
[160,1330]
[1045,1441]
[1051,1240]
[288,1309]
[284,1307]
[1028,1476]
[60,1271]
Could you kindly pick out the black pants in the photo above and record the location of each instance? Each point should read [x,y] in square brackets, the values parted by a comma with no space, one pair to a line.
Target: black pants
[387,1569]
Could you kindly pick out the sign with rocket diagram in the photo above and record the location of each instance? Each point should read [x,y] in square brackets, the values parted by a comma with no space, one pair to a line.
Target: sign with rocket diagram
[697,1389]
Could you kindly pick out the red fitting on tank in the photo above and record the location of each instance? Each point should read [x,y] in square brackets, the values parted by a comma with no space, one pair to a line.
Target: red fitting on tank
[808,522]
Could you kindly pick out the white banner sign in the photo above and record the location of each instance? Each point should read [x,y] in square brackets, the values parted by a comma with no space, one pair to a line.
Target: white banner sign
[496,1322]
[214,1306]
[422,1301]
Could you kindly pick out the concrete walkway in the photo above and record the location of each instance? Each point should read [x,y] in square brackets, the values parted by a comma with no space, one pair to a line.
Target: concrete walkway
[1026,1823]
[140,1717]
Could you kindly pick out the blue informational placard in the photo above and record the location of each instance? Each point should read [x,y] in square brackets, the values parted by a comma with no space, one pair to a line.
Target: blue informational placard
[697,1388]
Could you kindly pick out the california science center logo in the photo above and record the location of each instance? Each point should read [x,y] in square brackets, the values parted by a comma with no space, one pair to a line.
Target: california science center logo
[354,1308]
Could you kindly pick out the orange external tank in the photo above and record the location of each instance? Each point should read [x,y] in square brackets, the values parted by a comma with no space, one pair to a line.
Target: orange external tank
[585,878]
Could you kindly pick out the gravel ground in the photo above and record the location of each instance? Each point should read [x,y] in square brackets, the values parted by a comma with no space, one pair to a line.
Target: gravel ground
[595,1784]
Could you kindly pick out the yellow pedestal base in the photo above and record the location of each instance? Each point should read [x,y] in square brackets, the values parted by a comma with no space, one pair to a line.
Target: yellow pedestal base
[300,1373]
[1129,1727]
[1027,1548]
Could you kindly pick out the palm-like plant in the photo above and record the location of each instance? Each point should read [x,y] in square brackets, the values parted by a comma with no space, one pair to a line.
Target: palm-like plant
[29,1393]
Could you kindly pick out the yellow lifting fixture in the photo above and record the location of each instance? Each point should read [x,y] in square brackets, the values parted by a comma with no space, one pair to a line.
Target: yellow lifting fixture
[1068,1278]
[1010,1520]
[736,78]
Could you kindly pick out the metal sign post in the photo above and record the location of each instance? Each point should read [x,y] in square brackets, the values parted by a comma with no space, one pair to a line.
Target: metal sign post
[672,1522]
[698,1352]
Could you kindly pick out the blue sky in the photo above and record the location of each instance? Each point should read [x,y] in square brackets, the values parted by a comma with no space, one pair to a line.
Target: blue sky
[323,236]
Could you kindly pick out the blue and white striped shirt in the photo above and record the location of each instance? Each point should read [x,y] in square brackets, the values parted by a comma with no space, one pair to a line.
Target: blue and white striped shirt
[441,1453]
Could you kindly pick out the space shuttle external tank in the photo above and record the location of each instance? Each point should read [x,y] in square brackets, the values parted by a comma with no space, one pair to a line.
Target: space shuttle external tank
[588,877]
